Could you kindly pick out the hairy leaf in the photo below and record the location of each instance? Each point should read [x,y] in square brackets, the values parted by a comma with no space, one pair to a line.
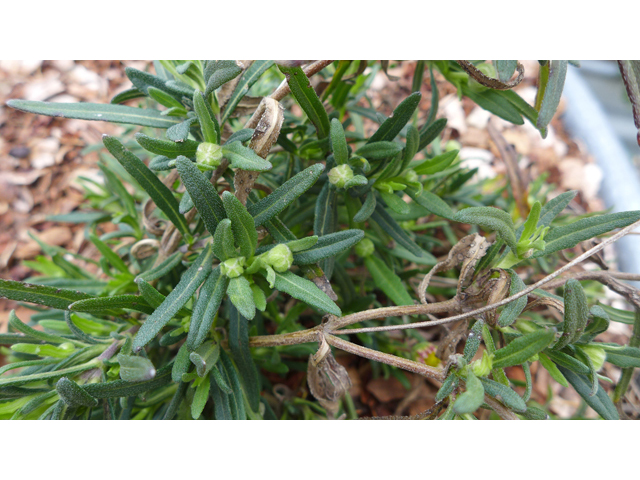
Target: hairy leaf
[180,295]
[146,117]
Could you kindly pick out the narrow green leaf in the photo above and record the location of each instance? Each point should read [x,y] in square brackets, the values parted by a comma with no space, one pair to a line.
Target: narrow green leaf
[163,98]
[552,369]
[490,218]
[208,122]
[472,398]
[146,117]
[100,304]
[473,340]
[328,246]
[219,377]
[240,294]
[600,402]
[307,98]
[554,206]
[250,76]
[630,71]
[568,362]
[411,148]
[188,284]
[244,158]
[77,332]
[73,394]
[16,324]
[401,252]
[306,291]
[181,364]
[447,387]
[223,247]
[242,224]
[395,231]
[143,80]
[523,107]
[368,206]
[568,236]
[222,407]
[158,191]
[576,313]
[398,119]
[523,348]
[326,220]
[394,202]
[241,136]
[180,132]
[552,94]
[494,102]
[237,396]
[503,393]
[339,142]
[125,96]
[109,254]
[387,281]
[379,150]
[169,149]
[430,131]
[220,72]
[431,202]
[512,310]
[285,195]
[39,294]
[202,193]
[163,268]
[437,163]
[239,345]
[624,357]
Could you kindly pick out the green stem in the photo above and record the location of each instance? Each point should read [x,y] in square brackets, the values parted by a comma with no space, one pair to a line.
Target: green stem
[627,373]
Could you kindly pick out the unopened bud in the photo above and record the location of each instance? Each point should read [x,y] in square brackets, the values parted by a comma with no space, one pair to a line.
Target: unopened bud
[280,258]
[410,176]
[482,367]
[233,267]
[364,248]
[209,154]
[340,175]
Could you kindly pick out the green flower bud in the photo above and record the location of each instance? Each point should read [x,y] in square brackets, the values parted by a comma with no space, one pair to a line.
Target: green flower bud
[597,355]
[280,258]
[233,267]
[340,175]
[482,367]
[410,176]
[364,248]
[209,154]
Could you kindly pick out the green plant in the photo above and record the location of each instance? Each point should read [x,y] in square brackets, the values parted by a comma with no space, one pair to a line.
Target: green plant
[308,206]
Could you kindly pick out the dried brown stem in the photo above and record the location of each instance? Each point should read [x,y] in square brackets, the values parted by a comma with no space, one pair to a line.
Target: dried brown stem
[403,363]
[510,159]
[493,306]
[608,278]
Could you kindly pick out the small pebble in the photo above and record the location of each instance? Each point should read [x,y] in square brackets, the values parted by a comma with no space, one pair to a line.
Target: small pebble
[20,152]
